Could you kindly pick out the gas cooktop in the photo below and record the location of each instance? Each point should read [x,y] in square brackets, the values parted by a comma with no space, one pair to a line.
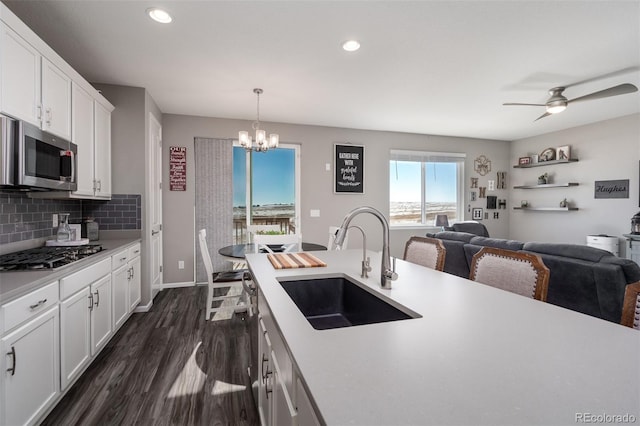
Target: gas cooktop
[46,258]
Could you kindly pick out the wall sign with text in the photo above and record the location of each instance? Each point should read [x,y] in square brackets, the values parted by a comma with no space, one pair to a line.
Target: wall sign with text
[177,168]
[348,169]
[612,188]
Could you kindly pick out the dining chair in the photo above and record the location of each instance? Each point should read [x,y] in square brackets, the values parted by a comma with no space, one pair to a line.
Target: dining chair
[332,238]
[256,229]
[235,291]
[631,306]
[425,251]
[514,271]
[288,242]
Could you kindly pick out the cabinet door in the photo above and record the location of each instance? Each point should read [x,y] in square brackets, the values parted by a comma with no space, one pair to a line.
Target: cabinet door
[120,299]
[30,370]
[75,336]
[56,100]
[284,412]
[102,137]
[306,413]
[134,283]
[82,135]
[101,313]
[19,77]
[265,376]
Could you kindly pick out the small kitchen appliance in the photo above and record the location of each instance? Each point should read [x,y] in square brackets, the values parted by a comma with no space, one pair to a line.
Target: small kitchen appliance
[635,224]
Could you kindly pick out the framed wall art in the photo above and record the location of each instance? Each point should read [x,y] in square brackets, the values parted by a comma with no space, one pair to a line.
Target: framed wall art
[348,169]
[476,213]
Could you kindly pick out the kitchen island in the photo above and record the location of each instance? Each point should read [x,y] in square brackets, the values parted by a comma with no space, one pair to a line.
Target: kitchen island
[474,354]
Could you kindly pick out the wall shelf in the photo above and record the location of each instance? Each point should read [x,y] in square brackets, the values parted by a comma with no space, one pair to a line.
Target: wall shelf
[548,209]
[545,163]
[547,185]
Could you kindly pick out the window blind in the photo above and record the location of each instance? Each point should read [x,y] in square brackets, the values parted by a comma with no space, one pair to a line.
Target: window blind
[427,157]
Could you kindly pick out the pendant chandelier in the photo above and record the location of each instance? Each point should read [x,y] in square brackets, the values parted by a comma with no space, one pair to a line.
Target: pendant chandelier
[262,144]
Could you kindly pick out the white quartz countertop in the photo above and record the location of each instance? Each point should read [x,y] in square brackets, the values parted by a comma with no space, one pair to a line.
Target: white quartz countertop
[476,356]
[19,283]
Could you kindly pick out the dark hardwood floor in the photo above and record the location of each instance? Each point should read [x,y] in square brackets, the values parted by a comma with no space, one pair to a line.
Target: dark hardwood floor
[167,367]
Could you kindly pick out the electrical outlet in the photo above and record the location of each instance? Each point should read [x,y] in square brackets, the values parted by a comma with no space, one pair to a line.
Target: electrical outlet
[327,167]
[54,218]
[180,264]
[314,213]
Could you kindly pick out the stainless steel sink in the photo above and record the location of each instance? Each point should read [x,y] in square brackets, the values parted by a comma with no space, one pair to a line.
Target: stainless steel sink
[336,302]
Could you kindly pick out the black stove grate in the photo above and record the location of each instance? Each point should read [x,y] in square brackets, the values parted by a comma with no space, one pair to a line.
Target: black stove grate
[44,258]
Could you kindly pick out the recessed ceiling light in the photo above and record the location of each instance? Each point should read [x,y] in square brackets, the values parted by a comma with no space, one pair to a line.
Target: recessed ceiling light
[351,45]
[159,15]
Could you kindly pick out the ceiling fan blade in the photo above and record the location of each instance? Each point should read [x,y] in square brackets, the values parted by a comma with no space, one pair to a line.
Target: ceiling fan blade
[546,114]
[612,91]
[519,104]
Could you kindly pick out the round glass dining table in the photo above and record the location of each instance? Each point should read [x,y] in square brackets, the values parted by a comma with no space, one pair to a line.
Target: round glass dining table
[237,251]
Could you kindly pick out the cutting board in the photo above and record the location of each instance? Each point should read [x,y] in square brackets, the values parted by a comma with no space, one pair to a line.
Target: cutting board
[55,243]
[295,260]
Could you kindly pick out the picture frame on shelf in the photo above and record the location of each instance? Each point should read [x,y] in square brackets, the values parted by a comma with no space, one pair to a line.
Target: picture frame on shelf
[524,161]
[548,154]
[563,152]
[476,213]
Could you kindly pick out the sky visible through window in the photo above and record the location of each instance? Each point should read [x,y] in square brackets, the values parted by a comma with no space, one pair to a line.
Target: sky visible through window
[404,182]
[273,177]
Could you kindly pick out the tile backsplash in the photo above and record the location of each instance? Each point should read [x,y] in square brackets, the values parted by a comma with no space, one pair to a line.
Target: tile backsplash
[23,218]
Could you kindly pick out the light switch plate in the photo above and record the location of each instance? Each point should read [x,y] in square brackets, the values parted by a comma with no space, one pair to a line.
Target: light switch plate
[315,213]
[327,167]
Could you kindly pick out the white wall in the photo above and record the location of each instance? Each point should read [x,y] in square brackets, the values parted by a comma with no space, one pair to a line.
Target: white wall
[608,150]
[129,131]
[316,183]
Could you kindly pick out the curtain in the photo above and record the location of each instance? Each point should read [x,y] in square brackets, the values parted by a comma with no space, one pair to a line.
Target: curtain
[214,199]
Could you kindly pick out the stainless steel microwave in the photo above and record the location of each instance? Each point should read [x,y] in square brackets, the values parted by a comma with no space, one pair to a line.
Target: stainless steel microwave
[34,160]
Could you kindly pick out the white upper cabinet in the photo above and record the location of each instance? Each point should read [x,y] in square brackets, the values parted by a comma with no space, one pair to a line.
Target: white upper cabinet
[33,88]
[82,135]
[19,77]
[39,87]
[102,164]
[56,100]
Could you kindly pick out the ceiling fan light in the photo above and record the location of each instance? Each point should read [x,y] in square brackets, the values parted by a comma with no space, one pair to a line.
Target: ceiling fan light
[556,107]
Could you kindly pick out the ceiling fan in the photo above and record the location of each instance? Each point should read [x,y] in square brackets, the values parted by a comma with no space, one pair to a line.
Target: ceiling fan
[558,103]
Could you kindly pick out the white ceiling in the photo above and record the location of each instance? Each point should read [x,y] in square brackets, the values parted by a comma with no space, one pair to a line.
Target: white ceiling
[432,67]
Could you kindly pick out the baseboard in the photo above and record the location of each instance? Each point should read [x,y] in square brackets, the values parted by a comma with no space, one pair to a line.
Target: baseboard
[176,285]
[143,308]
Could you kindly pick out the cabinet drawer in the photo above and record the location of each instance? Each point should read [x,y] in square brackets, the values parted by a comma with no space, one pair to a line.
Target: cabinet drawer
[119,259]
[133,251]
[84,277]
[22,309]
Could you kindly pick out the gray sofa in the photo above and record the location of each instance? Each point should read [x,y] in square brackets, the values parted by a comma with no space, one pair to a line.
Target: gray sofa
[583,279]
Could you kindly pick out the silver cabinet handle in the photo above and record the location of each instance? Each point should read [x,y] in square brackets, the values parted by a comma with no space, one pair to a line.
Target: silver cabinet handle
[137,251]
[265,372]
[13,356]
[133,272]
[91,301]
[155,232]
[37,305]
[48,114]
[97,293]
[128,274]
[122,259]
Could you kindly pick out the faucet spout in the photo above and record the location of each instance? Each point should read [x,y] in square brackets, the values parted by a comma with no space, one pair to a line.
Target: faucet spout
[387,274]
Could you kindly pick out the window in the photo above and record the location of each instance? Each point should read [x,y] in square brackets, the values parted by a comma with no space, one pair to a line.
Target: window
[424,184]
[268,183]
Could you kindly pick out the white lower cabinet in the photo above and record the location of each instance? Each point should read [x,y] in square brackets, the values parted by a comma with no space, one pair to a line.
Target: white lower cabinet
[134,282]
[100,313]
[85,325]
[120,282]
[30,369]
[75,350]
[126,283]
[282,399]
